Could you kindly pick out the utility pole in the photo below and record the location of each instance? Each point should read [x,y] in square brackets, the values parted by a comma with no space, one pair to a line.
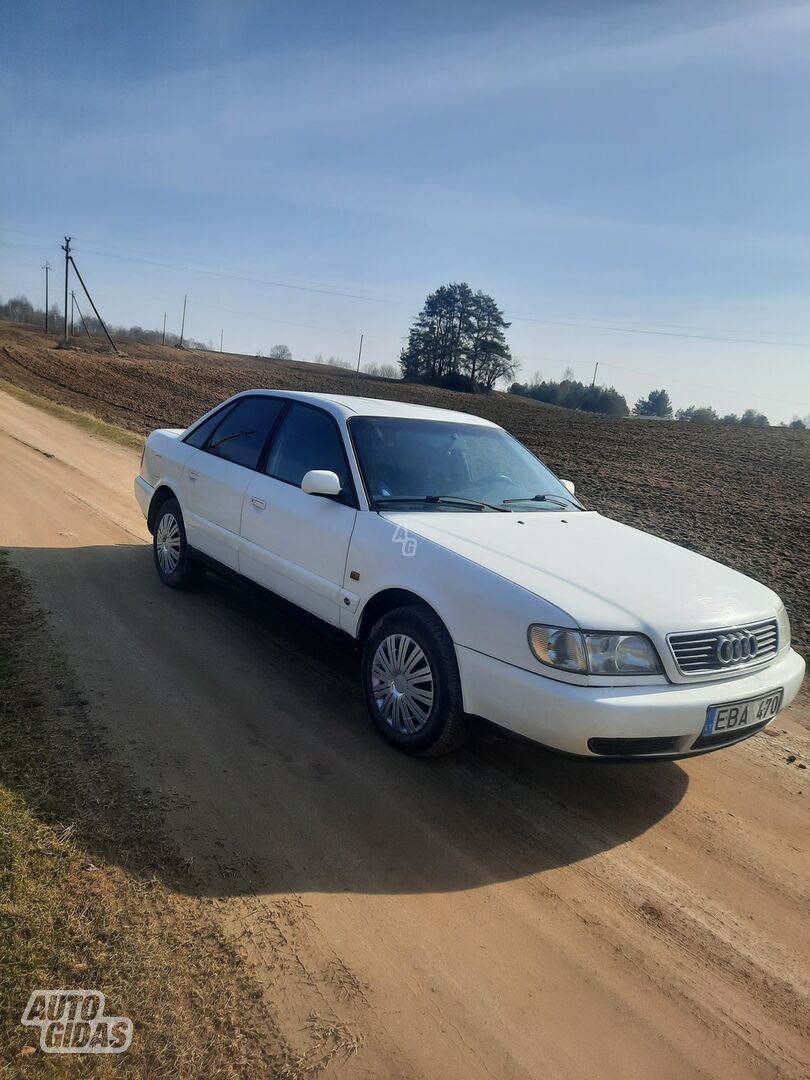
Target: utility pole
[163,342]
[359,354]
[81,316]
[594,374]
[183,323]
[46,268]
[220,339]
[92,305]
[72,306]
[66,248]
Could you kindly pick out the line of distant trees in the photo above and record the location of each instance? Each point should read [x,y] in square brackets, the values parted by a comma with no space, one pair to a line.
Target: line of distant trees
[572,394]
[19,309]
[377,371]
[657,404]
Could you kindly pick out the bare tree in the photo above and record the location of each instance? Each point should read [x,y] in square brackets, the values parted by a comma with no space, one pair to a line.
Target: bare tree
[280,352]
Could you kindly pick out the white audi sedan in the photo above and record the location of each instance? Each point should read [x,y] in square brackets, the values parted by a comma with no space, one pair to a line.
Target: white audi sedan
[471,578]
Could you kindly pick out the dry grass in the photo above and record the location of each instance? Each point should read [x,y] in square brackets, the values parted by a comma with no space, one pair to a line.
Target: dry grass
[71,921]
[91,424]
[332,1040]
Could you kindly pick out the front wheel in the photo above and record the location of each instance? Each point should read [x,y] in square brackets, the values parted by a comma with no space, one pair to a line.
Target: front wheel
[411,683]
[170,548]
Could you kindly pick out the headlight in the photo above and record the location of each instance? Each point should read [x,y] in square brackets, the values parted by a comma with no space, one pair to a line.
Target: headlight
[784,627]
[592,653]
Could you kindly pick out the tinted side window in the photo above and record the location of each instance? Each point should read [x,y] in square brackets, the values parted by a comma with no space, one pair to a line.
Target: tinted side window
[199,437]
[242,434]
[308,439]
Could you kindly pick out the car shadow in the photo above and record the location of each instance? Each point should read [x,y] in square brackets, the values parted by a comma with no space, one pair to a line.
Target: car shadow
[237,723]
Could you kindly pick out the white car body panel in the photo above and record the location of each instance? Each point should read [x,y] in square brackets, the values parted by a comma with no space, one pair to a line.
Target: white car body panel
[602,574]
[488,576]
[566,716]
[211,494]
[296,544]
[460,591]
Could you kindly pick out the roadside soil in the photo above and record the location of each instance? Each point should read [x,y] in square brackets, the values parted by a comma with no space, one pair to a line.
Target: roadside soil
[93,895]
[498,913]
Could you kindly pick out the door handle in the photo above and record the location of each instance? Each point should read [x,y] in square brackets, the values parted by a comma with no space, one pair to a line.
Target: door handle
[260,504]
[192,475]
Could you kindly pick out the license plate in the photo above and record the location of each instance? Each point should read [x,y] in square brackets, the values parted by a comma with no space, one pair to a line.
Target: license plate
[726,719]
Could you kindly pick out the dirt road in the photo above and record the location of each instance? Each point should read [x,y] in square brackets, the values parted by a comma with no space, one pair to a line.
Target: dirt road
[500,913]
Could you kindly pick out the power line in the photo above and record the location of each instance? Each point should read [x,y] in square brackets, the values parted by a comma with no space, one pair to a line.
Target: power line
[729,390]
[114,250]
[574,323]
[704,386]
[591,319]
[287,322]
[294,280]
[581,323]
[662,333]
[241,277]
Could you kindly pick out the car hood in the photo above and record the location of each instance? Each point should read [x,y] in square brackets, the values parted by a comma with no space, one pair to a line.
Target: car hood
[603,574]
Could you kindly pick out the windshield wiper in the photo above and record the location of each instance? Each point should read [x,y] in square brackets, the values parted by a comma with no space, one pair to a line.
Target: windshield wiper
[559,500]
[452,500]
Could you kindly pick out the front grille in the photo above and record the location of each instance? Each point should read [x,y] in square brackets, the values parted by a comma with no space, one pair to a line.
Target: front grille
[730,649]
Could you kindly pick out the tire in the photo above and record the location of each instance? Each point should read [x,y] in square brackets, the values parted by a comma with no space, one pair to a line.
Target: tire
[173,562]
[421,716]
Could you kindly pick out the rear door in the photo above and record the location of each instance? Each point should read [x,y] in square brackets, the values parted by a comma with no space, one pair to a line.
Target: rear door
[218,472]
[292,543]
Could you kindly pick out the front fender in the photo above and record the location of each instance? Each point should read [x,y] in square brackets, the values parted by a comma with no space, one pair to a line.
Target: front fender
[481,610]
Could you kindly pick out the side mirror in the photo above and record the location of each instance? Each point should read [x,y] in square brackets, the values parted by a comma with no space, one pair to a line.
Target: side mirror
[569,486]
[320,482]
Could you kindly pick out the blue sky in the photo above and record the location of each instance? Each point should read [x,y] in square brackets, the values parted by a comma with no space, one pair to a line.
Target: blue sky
[627,180]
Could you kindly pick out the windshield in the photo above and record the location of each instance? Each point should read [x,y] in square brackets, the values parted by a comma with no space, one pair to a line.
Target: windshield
[436,465]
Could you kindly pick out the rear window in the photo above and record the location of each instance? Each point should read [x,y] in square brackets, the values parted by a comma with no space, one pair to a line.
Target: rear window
[199,436]
[241,436]
[239,431]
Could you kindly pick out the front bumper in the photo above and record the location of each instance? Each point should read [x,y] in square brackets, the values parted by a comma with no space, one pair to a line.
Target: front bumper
[566,717]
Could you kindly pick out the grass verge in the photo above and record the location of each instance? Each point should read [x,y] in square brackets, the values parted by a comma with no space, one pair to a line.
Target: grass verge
[69,920]
[91,424]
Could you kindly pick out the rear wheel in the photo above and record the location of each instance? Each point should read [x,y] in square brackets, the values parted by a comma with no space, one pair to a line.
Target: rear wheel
[411,683]
[173,561]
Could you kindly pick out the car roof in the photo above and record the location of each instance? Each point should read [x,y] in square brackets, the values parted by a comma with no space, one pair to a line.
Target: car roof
[346,406]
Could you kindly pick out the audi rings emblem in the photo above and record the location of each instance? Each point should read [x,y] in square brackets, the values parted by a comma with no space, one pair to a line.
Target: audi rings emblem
[736,647]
